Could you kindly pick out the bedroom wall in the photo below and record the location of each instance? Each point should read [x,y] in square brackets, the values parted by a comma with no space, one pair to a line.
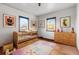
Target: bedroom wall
[77,26]
[6,34]
[62,13]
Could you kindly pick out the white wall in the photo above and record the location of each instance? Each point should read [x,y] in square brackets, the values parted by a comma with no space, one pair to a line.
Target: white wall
[6,33]
[62,13]
[77,26]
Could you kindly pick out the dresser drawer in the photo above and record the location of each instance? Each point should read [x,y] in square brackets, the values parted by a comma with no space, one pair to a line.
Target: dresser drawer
[67,38]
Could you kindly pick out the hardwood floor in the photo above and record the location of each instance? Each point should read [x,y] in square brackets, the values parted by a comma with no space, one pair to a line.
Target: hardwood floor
[60,49]
[64,50]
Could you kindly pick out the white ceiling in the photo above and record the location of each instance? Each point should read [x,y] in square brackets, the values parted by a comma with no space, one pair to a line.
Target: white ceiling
[45,8]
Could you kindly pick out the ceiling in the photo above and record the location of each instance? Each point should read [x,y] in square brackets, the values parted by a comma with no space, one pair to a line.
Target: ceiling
[45,8]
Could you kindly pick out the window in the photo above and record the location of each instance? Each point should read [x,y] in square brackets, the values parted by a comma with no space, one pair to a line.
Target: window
[51,24]
[24,23]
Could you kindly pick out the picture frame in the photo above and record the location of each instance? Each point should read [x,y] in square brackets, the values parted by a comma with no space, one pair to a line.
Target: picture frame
[33,23]
[41,23]
[65,22]
[23,23]
[9,20]
[51,24]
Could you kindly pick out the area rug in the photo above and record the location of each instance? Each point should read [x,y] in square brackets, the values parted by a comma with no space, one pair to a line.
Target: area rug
[38,48]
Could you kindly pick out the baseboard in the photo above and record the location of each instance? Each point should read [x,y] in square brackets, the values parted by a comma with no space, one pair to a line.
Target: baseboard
[43,38]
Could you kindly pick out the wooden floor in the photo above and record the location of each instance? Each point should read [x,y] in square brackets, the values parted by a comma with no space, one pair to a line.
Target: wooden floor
[61,49]
[64,50]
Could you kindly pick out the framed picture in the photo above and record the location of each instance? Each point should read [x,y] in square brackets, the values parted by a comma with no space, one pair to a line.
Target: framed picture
[23,23]
[41,23]
[9,20]
[65,21]
[33,23]
[51,24]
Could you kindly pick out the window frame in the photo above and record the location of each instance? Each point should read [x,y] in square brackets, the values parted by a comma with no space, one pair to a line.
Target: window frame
[24,18]
[54,24]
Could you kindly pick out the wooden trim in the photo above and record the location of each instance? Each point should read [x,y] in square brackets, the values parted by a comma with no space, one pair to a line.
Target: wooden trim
[46,39]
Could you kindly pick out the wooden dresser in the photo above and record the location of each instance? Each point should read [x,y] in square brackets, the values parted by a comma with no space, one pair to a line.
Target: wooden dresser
[67,38]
